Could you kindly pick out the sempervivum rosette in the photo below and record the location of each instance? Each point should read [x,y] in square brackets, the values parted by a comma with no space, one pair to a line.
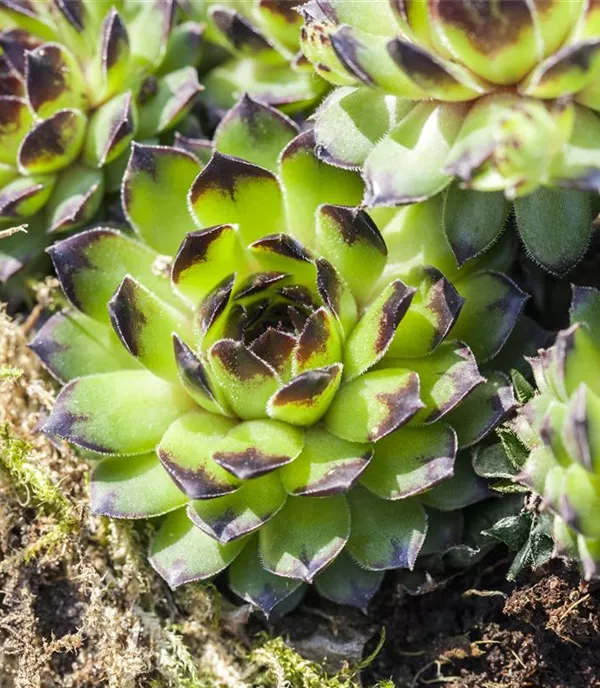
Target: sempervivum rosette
[501,96]
[560,427]
[262,39]
[295,388]
[78,81]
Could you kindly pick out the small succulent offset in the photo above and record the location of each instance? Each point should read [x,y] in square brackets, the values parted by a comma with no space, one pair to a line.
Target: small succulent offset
[500,97]
[78,82]
[296,389]
[262,38]
[559,427]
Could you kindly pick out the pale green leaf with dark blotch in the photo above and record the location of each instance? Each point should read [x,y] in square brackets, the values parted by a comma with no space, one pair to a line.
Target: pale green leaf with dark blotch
[25,196]
[305,536]
[585,309]
[182,553]
[246,380]
[446,377]
[16,120]
[327,465]
[124,412]
[385,534]
[280,22]
[174,97]
[305,399]
[144,324]
[255,132]
[133,487]
[92,264]
[463,488]
[149,25]
[345,582]
[75,199]
[249,580]
[577,166]
[70,344]
[255,447]
[488,406]
[374,404]
[347,238]
[406,165]
[555,226]
[351,121]
[53,143]
[111,128]
[371,337]
[109,70]
[309,182]
[410,461]
[433,311]
[241,512]
[473,220]
[164,175]
[236,192]
[319,343]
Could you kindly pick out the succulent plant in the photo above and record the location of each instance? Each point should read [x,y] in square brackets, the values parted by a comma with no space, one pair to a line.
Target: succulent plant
[493,102]
[554,438]
[79,81]
[261,39]
[296,389]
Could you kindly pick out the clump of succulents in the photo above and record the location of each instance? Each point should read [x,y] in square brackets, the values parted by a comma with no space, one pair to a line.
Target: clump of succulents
[296,389]
[262,40]
[78,82]
[494,102]
[555,437]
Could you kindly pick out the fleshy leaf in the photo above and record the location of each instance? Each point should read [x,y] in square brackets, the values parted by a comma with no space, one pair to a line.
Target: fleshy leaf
[185,450]
[406,165]
[256,447]
[305,399]
[110,130]
[370,339]
[411,461]
[75,198]
[25,196]
[182,553]
[249,580]
[305,536]
[319,343]
[385,534]
[15,121]
[254,132]
[276,348]
[541,219]
[123,412]
[70,344]
[133,487]
[163,175]
[327,465]
[241,512]
[374,404]
[345,582]
[233,191]
[465,487]
[585,308]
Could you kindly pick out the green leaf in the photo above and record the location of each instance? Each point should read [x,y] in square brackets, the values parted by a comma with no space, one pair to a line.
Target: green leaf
[406,165]
[585,309]
[241,512]
[185,47]
[465,487]
[111,129]
[185,451]
[149,25]
[305,536]
[105,414]
[493,462]
[154,195]
[16,120]
[473,220]
[305,399]
[144,324]
[327,465]
[249,580]
[319,343]
[70,344]
[345,582]
[374,404]
[254,132]
[182,553]
[256,447]
[133,487]
[410,461]
[25,196]
[385,534]
[232,191]
[75,198]
[555,226]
